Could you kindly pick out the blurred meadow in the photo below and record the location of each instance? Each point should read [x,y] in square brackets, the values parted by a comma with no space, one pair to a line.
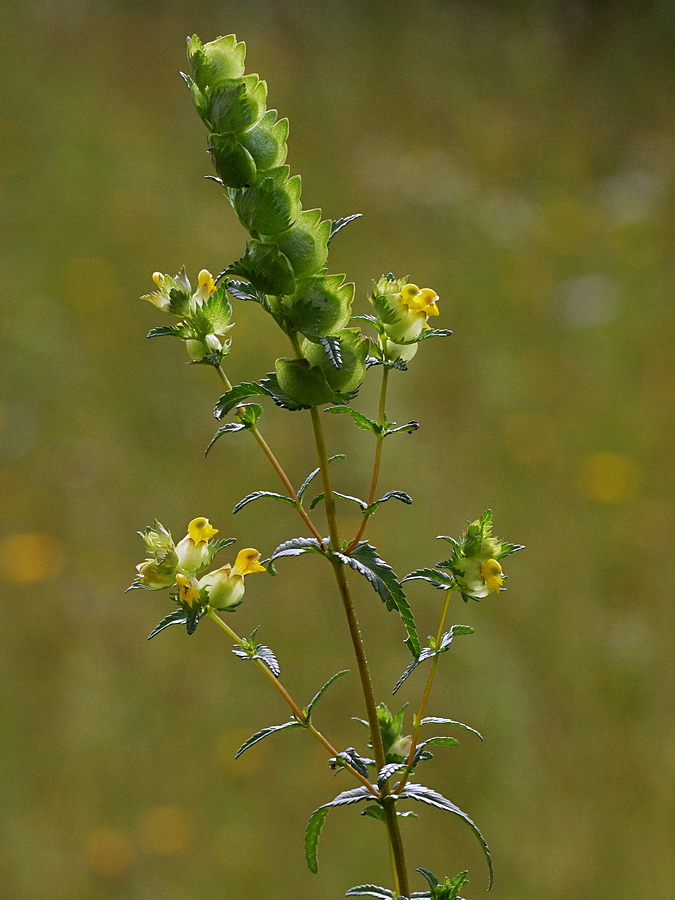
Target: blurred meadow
[520,159]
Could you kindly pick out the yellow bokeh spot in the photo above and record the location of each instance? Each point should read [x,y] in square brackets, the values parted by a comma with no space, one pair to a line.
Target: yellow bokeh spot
[30,557]
[200,530]
[247,562]
[108,852]
[609,477]
[166,831]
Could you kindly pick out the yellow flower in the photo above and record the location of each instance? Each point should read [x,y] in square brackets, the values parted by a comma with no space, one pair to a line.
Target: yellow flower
[187,590]
[492,573]
[421,301]
[206,286]
[225,586]
[200,529]
[193,551]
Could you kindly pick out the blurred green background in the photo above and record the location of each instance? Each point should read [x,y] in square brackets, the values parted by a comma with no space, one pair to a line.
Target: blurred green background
[517,157]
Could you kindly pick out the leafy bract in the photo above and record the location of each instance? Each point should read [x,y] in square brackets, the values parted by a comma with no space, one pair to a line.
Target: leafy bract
[229,428]
[177,617]
[339,224]
[432,650]
[235,396]
[365,560]
[257,495]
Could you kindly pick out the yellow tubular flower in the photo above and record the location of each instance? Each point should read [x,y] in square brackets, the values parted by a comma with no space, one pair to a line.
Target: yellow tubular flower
[492,573]
[247,562]
[206,285]
[186,589]
[421,301]
[200,529]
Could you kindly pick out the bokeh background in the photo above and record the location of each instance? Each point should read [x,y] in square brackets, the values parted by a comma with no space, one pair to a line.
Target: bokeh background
[519,158]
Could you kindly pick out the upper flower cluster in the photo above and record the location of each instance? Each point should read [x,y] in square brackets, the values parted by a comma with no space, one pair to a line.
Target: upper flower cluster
[181,565]
[402,312]
[205,314]
[475,562]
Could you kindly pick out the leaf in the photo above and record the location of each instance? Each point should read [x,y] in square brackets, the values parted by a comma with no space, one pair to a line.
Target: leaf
[318,817]
[249,413]
[265,732]
[165,330]
[352,758]
[387,771]
[295,547]
[241,290]
[365,560]
[270,385]
[339,224]
[446,640]
[216,546]
[359,418]
[319,694]
[433,798]
[409,427]
[177,617]
[331,345]
[430,877]
[266,267]
[312,475]
[421,753]
[256,495]
[235,396]
[408,672]
[192,618]
[371,890]
[438,720]
[390,495]
[319,497]
[224,429]
[376,812]
[433,332]
[248,649]
[438,579]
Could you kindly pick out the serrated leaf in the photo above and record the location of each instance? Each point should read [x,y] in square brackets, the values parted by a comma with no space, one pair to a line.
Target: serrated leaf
[387,771]
[352,758]
[433,798]
[371,890]
[365,560]
[339,224]
[433,332]
[421,753]
[430,877]
[319,694]
[265,732]
[177,617]
[446,640]
[236,395]
[231,427]
[409,427]
[312,475]
[319,497]
[361,420]
[257,495]
[407,673]
[439,580]
[440,720]
[216,546]
[390,495]
[165,330]
[242,290]
[295,547]
[331,346]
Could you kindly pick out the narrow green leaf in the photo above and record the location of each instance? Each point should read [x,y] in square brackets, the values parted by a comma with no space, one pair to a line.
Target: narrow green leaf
[224,429]
[430,877]
[433,798]
[232,398]
[294,547]
[371,890]
[359,418]
[312,836]
[265,732]
[256,495]
[390,495]
[339,224]
[312,475]
[439,720]
[439,580]
[319,497]
[165,330]
[319,694]
[177,617]
[409,427]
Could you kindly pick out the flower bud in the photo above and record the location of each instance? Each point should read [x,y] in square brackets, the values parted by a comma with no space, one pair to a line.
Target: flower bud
[154,575]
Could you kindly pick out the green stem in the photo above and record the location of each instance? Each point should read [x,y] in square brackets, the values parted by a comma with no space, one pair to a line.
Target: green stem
[378,457]
[395,840]
[417,718]
[297,712]
[262,443]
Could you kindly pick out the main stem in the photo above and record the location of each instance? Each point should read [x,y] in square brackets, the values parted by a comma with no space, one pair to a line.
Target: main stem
[389,805]
[297,712]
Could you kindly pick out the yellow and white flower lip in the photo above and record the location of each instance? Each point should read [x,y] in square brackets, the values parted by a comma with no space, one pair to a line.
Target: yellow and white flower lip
[420,300]
[200,529]
[206,286]
[225,586]
[247,563]
[193,551]
[480,578]
[411,307]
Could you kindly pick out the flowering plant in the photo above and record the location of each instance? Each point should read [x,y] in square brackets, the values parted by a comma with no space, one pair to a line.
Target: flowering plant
[284,270]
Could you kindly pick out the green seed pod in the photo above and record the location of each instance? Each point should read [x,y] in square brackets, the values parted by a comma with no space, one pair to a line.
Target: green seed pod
[217,61]
[302,382]
[320,305]
[306,243]
[236,105]
[233,163]
[353,349]
[266,141]
[272,205]
[266,268]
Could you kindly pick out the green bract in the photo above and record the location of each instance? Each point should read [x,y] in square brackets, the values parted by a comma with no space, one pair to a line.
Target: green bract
[353,352]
